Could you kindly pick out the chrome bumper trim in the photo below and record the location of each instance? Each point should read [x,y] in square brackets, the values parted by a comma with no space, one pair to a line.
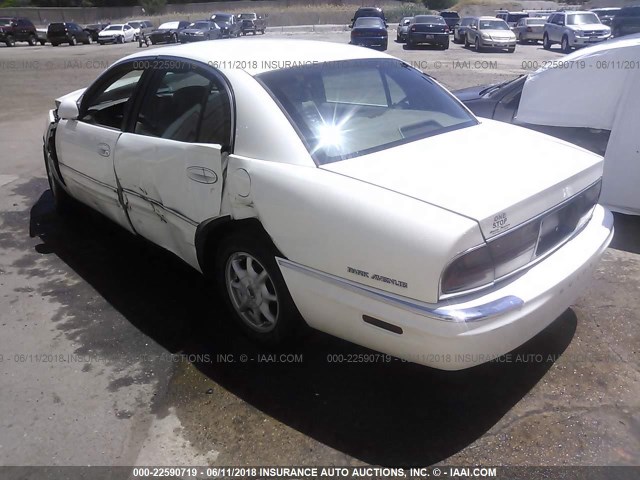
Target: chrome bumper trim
[444,313]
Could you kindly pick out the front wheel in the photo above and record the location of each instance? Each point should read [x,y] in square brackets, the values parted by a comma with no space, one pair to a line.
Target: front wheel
[511,49]
[72,41]
[62,202]
[254,290]
[564,45]
[546,44]
[10,41]
[32,40]
[466,42]
[42,42]
[476,45]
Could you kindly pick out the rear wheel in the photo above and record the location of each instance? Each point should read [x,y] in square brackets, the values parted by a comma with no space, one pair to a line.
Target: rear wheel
[72,41]
[32,40]
[546,44]
[254,290]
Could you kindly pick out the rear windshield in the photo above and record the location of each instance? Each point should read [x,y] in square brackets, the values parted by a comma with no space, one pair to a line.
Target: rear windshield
[535,21]
[369,22]
[350,108]
[429,19]
[449,15]
[57,27]
[515,17]
[114,27]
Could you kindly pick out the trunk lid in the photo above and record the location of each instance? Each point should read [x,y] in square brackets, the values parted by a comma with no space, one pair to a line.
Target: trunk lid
[497,174]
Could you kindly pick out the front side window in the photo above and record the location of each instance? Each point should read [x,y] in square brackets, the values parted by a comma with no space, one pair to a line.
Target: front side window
[350,108]
[186,106]
[108,104]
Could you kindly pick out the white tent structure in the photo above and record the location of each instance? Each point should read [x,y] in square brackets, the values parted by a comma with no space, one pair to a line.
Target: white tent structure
[597,88]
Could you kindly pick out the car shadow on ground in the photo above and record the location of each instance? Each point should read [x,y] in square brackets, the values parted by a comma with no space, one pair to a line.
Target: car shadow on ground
[627,233]
[384,412]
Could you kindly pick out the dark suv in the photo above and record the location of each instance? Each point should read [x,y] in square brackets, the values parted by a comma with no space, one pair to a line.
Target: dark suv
[451,19]
[626,21]
[67,32]
[368,12]
[252,22]
[17,29]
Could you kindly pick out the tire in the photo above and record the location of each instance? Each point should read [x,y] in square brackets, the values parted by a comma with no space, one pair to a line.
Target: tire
[564,45]
[546,44]
[259,302]
[62,202]
[120,39]
[521,40]
[385,45]
[255,32]
[10,41]
[511,50]
[55,44]
[87,41]
[72,41]
[445,46]
[466,42]
[32,40]
[174,38]
[42,42]
[456,39]
[476,45]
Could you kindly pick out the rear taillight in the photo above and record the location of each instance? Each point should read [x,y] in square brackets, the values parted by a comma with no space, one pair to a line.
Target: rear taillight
[471,270]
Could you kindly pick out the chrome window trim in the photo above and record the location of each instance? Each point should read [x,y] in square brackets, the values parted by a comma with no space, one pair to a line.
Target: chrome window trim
[445,313]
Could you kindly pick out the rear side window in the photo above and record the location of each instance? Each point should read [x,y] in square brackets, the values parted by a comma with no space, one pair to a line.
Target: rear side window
[350,108]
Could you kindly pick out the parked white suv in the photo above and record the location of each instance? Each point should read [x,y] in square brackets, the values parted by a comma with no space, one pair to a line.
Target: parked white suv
[574,29]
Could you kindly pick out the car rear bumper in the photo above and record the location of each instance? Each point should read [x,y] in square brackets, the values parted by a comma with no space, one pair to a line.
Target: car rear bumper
[428,37]
[376,41]
[459,334]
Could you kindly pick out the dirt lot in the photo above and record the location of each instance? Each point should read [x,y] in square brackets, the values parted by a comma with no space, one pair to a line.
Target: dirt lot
[107,355]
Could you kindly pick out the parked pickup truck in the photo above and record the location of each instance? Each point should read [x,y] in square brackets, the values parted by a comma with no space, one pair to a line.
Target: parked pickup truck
[252,22]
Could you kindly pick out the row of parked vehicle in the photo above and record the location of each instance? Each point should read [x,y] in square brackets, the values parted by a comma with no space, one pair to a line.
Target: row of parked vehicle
[219,25]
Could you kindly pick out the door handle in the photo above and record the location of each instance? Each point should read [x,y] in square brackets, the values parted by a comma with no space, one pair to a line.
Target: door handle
[104,150]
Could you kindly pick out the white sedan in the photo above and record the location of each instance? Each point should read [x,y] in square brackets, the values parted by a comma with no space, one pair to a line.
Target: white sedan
[313,182]
[117,33]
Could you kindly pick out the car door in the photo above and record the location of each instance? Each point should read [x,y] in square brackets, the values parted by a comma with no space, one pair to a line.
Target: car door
[86,145]
[557,28]
[170,161]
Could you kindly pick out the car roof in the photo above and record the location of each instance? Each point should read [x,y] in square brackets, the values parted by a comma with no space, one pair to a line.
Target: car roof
[261,55]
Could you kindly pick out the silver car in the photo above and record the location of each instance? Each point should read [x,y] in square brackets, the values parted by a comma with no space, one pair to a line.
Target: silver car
[403,29]
[490,33]
[574,29]
[529,30]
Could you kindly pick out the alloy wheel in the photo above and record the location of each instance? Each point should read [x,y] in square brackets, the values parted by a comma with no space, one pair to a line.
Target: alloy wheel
[252,292]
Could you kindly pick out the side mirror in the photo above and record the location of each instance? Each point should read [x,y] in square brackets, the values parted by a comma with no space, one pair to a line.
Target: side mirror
[68,109]
[473,27]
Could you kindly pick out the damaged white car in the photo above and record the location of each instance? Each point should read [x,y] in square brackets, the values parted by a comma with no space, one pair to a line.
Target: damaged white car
[313,182]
